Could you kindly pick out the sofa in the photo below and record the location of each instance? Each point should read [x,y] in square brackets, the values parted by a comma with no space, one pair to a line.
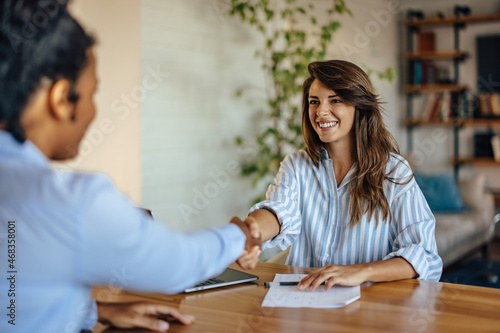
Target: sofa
[459,232]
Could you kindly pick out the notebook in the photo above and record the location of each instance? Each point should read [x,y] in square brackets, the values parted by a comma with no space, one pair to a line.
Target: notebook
[228,277]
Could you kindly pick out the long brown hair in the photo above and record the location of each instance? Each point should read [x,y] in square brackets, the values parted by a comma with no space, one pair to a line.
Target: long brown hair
[373,142]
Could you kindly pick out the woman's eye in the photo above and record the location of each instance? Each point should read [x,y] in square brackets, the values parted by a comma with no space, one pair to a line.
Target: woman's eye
[313,102]
[333,101]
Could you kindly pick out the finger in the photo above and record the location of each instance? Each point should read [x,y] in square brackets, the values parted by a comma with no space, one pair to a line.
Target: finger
[254,228]
[245,256]
[184,318]
[308,279]
[304,283]
[253,254]
[255,251]
[165,310]
[248,264]
[141,320]
[320,278]
[330,283]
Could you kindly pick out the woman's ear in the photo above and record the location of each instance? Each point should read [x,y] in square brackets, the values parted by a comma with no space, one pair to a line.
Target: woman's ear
[60,106]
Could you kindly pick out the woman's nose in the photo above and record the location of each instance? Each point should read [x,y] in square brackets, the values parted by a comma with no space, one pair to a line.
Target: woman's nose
[323,109]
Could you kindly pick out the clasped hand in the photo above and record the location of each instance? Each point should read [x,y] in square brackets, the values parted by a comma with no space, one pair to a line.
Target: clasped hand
[250,256]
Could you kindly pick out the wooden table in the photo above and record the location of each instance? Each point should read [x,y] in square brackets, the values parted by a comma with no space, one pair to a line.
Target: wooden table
[402,306]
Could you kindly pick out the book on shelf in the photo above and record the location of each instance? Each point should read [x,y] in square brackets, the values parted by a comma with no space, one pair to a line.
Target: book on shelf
[495,145]
[445,106]
[488,105]
[426,72]
[423,72]
[426,41]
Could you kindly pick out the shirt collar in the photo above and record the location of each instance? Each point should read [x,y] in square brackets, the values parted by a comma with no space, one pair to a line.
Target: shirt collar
[349,177]
[324,154]
[26,151]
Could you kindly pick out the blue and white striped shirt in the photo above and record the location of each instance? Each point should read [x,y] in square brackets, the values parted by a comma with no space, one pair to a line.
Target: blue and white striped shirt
[314,216]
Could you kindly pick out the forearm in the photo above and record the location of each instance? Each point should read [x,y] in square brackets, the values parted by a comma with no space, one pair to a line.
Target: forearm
[268,223]
[388,270]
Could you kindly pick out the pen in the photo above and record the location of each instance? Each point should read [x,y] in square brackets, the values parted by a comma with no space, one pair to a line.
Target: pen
[290,283]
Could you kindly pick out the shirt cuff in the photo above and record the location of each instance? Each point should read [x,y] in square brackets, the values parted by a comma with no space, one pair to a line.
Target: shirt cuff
[234,237]
[288,229]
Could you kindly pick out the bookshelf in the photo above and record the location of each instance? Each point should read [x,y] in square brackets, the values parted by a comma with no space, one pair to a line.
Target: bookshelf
[410,88]
[452,20]
[420,82]
[436,55]
[478,161]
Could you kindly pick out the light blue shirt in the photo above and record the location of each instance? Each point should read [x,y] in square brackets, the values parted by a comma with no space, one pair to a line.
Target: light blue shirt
[75,230]
[314,215]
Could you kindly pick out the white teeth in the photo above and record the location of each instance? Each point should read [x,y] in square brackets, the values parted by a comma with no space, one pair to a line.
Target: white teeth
[324,125]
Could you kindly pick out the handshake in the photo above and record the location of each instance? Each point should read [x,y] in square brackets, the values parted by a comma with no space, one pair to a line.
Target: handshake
[250,256]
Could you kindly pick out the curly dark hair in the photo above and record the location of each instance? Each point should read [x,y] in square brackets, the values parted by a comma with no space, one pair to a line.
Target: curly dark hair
[39,39]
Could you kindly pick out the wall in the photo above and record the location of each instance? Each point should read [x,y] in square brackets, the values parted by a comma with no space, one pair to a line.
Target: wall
[112,143]
[190,175]
[437,154]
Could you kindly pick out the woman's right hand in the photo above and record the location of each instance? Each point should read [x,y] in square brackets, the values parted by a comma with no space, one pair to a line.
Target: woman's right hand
[250,256]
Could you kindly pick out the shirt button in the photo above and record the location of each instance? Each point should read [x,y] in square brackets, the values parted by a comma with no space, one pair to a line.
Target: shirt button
[326,256]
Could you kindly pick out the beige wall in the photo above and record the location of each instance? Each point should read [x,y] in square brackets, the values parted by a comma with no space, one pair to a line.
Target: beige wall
[112,144]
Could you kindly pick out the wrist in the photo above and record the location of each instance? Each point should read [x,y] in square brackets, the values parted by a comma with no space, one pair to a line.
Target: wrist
[367,270]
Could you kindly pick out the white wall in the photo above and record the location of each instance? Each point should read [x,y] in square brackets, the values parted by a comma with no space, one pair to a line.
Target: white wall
[437,155]
[112,142]
[190,120]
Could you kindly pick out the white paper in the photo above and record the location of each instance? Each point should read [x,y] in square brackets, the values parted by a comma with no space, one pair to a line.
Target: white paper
[292,297]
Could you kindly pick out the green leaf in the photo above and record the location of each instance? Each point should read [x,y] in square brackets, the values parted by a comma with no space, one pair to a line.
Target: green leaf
[287,37]
[334,26]
[269,14]
[286,13]
[389,74]
[272,131]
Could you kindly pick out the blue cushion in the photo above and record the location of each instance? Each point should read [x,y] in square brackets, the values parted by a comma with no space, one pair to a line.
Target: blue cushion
[441,192]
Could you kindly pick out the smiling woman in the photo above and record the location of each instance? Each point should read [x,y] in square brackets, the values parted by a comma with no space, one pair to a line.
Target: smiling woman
[331,118]
[361,135]
[347,203]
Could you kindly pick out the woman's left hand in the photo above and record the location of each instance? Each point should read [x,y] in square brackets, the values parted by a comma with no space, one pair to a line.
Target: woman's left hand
[343,275]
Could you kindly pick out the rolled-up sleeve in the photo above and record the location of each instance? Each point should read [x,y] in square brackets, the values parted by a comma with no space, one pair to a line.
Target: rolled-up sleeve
[282,199]
[413,228]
